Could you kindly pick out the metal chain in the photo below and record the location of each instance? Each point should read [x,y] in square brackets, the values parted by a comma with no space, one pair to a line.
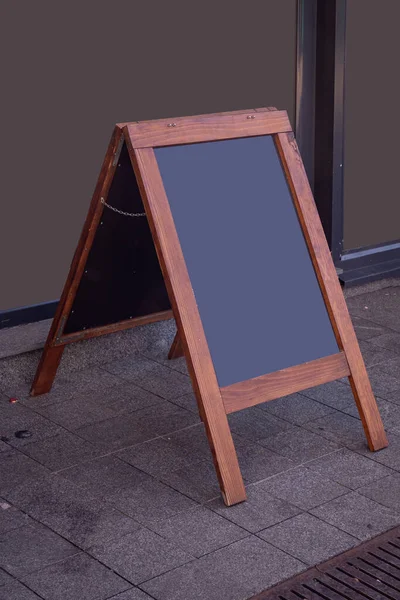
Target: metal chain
[121,212]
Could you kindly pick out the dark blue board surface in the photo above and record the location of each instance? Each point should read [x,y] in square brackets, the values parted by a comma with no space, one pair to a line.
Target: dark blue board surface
[257,293]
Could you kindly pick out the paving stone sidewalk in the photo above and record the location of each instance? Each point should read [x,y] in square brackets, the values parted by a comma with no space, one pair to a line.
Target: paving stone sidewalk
[114,494]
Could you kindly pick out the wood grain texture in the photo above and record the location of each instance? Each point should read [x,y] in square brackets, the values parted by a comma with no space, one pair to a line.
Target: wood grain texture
[189,130]
[331,290]
[47,369]
[189,323]
[176,350]
[242,111]
[113,327]
[282,383]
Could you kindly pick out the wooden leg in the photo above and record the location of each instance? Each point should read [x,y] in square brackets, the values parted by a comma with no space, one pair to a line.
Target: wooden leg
[47,370]
[176,350]
[330,288]
[367,407]
[225,458]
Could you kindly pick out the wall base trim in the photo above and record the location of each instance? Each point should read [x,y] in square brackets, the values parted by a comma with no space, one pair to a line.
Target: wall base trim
[369,264]
[27,314]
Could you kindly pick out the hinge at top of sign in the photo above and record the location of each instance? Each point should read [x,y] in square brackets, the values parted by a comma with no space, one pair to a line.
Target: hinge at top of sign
[118,151]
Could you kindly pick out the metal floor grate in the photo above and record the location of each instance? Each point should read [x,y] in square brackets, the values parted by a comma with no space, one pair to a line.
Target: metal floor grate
[370,571]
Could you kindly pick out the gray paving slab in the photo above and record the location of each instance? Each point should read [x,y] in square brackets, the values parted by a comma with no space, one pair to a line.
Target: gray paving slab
[132,594]
[56,395]
[85,380]
[371,286]
[334,394]
[385,318]
[86,409]
[377,306]
[187,401]
[299,445]
[296,408]
[198,481]
[159,352]
[17,591]
[357,515]
[388,339]
[166,418]
[390,413]
[309,539]
[367,330]
[392,367]
[382,382]
[104,476]
[159,347]
[236,572]
[31,548]
[257,463]
[4,446]
[199,531]
[5,578]
[386,491]
[193,442]
[389,456]
[62,451]
[127,398]
[374,355]
[160,456]
[255,424]
[16,469]
[71,512]
[339,428]
[74,412]
[150,500]
[348,468]
[393,397]
[10,517]
[140,556]
[77,577]
[17,373]
[119,432]
[151,376]
[303,488]
[81,384]
[16,417]
[129,429]
[260,510]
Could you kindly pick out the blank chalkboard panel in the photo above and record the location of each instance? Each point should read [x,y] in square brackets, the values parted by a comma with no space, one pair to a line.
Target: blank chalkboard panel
[257,293]
[122,277]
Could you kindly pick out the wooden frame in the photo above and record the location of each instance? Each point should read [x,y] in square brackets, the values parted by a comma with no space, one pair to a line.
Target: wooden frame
[56,339]
[215,402]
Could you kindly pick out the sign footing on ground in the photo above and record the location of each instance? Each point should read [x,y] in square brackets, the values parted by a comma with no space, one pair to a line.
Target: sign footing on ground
[211,219]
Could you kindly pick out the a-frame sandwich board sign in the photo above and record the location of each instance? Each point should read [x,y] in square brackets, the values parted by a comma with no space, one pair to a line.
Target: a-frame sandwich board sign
[114,281]
[259,310]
